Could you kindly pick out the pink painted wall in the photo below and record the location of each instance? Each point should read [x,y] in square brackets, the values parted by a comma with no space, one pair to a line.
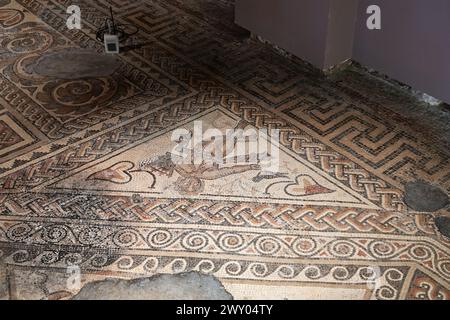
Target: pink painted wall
[341,31]
[413,45]
[299,26]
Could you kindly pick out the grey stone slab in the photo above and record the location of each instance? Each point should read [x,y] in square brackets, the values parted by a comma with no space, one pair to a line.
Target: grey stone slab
[423,197]
[186,286]
[443,225]
[76,64]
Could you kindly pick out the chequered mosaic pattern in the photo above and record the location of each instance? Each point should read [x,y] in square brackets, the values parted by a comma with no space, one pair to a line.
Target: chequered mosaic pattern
[70,193]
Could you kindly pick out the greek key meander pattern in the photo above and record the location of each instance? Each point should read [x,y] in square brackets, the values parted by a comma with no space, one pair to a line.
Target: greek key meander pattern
[189,66]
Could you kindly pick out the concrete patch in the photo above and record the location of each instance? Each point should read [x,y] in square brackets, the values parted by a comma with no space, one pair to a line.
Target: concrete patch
[76,64]
[423,197]
[186,286]
[443,225]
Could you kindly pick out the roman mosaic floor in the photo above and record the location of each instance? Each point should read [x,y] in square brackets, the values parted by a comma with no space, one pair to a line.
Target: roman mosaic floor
[73,192]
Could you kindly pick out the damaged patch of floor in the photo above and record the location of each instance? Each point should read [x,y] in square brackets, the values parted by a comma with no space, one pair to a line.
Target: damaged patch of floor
[76,64]
[424,197]
[443,225]
[187,286]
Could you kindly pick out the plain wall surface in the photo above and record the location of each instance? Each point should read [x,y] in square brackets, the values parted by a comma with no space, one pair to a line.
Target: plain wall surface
[341,31]
[413,45]
[299,26]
